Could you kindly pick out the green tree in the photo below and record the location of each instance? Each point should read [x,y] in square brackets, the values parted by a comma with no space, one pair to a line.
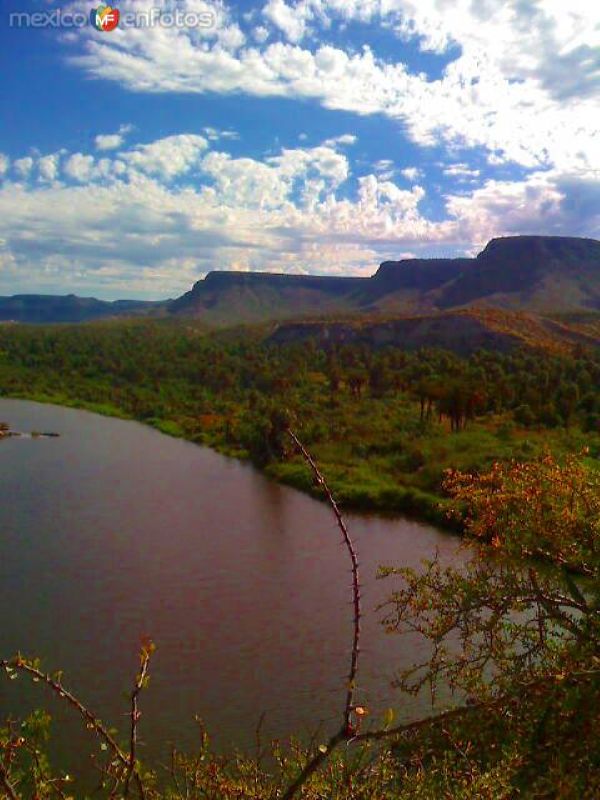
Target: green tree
[515,632]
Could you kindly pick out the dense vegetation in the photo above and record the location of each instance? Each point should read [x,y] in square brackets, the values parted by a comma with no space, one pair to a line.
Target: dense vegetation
[384,424]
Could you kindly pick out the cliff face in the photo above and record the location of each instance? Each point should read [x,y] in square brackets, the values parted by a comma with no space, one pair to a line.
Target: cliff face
[531,272]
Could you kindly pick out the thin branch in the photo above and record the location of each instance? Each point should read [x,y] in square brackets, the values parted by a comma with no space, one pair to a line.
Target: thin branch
[59,690]
[19,664]
[348,729]
[459,711]
[350,706]
[314,763]
[146,652]
[7,785]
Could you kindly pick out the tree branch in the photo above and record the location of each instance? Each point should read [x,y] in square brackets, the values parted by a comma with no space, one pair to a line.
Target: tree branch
[146,652]
[348,729]
[350,706]
[20,664]
[7,785]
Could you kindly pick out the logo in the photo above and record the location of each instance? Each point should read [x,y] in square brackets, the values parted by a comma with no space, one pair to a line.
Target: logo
[104,18]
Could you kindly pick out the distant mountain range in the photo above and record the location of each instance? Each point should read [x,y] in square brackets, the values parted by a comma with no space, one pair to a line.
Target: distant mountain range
[536,274]
[39,308]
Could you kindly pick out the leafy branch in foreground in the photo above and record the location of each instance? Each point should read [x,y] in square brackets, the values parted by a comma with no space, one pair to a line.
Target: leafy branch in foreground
[121,768]
[505,627]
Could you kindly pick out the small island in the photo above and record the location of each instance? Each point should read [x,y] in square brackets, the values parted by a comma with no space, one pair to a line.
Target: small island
[6,432]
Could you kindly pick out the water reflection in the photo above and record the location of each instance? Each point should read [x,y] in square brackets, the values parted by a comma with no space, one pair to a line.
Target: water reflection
[114,531]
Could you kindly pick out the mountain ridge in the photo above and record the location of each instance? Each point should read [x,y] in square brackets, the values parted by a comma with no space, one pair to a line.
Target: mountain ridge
[540,274]
[523,273]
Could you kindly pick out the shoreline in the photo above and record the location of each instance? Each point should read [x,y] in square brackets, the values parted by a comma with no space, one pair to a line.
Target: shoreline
[391,501]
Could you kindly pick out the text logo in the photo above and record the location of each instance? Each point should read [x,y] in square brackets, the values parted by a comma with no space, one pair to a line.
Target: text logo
[104,18]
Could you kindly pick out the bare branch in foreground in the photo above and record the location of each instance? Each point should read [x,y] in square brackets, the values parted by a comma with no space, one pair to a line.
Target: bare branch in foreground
[348,729]
[19,664]
[350,705]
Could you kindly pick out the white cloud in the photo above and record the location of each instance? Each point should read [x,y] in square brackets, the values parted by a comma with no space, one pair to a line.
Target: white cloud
[112,141]
[108,141]
[23,166]
[260,34]
[291,21]
[122,225]
[523,84]
[461,170]
[555,203]
[168,157]
[214,134]
[48,167]
[344,139]
[4,164]
[411,173]
[79,167]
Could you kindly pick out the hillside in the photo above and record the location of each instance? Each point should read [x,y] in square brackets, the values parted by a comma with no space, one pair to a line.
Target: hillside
[464,331]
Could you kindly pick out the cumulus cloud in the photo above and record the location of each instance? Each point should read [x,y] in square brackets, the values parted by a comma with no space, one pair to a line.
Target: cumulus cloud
[23,166]
[522,81]
[411,173]
[291,21]
[4,164]
[149,220]
[79,167]
[112,141]
[168,157]
[48,167]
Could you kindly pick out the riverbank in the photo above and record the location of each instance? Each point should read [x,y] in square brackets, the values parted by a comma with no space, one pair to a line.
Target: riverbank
[217,563]
[383,497]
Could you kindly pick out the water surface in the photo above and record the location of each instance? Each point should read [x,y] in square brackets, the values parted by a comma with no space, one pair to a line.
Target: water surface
[115,531]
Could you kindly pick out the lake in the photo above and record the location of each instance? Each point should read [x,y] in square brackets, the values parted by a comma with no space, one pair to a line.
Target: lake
[115,531]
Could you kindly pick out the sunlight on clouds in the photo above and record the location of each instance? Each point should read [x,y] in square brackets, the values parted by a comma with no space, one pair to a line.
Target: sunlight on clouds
[523,83]
[112,141]
[155,216]
[167,157]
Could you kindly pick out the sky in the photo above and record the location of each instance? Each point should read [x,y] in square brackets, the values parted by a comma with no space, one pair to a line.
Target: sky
[301,136]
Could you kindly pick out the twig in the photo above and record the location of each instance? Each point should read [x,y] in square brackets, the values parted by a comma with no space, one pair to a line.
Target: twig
[348,729]
[146,652]
[19,664]
[6,784]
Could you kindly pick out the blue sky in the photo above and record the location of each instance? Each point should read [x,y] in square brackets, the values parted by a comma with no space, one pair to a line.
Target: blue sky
[317,136]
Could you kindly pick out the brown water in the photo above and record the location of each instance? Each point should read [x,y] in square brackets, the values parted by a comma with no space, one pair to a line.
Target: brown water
[115,531]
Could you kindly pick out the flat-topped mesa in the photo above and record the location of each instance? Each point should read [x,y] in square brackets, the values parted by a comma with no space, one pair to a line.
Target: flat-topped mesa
[567,249]
[531,272]
[229,297]
[221,278]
